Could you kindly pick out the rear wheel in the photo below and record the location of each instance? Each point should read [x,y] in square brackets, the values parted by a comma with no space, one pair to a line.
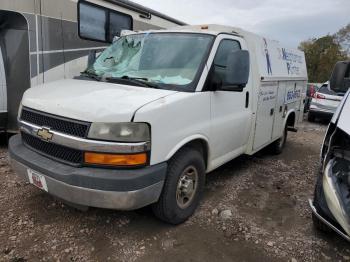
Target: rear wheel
[183,187]
[278,146]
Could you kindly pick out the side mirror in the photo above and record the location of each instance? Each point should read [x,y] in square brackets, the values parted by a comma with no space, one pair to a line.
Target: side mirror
[91,58]
[340,78]
[237,71]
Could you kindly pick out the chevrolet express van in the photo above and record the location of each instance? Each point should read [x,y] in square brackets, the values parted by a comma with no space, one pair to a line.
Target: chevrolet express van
[155,113]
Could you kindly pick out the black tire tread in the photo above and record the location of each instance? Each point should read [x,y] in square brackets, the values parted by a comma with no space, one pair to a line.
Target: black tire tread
[175,163]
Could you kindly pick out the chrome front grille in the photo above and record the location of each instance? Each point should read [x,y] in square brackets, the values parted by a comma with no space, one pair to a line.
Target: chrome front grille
[67,126]
[58,152]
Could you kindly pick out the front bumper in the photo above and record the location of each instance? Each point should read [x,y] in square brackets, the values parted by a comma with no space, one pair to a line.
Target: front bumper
[122,189]
[321,114]
[322,111]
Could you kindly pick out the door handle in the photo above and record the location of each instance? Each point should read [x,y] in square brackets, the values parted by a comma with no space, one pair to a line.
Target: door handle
[272,111]
[247,100]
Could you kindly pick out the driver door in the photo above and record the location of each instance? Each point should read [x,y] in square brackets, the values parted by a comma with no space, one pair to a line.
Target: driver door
[230,110]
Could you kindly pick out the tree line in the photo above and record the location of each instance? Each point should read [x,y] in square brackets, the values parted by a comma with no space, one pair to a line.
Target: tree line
[322,53]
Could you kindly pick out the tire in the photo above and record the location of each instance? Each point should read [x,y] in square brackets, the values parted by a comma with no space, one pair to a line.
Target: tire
[172,206]
[278,146]
[311,117]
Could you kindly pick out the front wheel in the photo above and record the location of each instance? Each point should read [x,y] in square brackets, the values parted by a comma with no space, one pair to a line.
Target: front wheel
[183,187]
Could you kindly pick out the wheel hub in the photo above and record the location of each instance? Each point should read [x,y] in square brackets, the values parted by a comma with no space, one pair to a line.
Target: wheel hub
[187,187]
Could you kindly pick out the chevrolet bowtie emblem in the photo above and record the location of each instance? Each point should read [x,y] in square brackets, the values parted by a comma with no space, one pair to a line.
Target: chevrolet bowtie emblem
[45,134]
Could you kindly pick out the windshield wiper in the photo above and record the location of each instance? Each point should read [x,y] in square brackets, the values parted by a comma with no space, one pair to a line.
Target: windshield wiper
[91,75]
[140,81]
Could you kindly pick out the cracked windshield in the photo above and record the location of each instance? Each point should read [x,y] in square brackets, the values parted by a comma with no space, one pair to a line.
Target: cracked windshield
[166,60]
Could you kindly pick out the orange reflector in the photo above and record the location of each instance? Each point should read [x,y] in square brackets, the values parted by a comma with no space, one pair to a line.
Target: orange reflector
[115,160]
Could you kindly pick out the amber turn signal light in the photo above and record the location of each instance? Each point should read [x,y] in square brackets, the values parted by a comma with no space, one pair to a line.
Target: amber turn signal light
[115,160]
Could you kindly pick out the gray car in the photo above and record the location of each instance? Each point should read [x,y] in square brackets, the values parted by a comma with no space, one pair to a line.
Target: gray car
[324,103]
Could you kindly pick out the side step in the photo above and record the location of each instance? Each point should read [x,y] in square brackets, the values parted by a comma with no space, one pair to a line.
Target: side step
[346,237]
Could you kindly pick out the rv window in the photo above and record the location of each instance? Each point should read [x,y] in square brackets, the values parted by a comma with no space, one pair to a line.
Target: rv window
[98,23]
[117,23]
[92,22]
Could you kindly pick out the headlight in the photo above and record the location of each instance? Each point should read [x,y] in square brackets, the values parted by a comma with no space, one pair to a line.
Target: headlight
[120,132]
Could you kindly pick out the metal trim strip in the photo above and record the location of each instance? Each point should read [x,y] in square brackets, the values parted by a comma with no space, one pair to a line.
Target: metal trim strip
[87,144]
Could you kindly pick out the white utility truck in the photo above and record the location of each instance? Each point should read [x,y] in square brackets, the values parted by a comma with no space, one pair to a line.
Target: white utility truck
[154,113]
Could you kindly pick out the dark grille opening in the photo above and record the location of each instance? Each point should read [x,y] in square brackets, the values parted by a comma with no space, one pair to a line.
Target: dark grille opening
[67,126]
[63,153]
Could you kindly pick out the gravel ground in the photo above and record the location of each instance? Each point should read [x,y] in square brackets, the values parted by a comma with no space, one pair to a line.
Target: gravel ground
[254,209]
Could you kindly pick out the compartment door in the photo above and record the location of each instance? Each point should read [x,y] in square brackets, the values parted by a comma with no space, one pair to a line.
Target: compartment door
[265,114]
[278,124]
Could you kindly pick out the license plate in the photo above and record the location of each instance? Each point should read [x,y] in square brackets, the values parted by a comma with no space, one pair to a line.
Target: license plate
[37,180]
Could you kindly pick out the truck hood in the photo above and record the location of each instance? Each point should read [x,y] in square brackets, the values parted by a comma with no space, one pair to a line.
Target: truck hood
[91,100]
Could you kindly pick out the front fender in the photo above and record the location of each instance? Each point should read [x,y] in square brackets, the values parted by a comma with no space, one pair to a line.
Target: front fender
[186,141]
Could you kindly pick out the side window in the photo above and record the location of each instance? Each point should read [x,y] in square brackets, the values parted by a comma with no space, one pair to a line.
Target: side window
[226,46]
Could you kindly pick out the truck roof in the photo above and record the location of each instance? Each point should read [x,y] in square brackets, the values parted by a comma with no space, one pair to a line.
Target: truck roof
[210,29]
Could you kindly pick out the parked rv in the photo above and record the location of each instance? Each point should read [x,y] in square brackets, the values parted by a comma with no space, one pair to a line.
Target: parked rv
[39,41]
[154,113]
[331,203]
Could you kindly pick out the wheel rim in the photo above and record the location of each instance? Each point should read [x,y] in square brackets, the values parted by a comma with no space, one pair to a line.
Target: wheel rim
[187,187]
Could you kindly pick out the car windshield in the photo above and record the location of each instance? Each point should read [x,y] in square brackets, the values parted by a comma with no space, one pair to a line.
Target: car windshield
[163,60]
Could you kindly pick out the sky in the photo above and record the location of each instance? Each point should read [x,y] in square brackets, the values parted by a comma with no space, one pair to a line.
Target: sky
[288,21]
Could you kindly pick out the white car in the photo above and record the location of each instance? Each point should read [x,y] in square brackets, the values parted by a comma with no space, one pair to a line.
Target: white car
[324,103]
[154,113]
